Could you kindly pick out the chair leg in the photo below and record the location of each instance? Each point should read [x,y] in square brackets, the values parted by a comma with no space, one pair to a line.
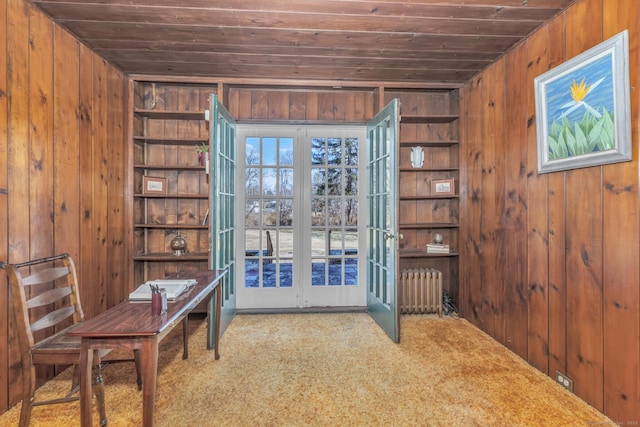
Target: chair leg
[28,392]
[98,387]
[185,337]
[75,382]
[138,362]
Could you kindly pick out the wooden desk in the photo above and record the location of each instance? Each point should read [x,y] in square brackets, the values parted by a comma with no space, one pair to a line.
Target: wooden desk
[130,325]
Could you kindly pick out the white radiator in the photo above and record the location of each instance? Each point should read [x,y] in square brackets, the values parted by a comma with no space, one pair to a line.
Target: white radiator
[420,291]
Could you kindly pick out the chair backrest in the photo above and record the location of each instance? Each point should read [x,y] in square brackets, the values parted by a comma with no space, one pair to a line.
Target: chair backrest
[269,244]
[45,297]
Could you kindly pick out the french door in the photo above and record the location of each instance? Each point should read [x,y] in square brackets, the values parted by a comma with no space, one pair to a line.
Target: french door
[222,144]
[298,206]
[382,223]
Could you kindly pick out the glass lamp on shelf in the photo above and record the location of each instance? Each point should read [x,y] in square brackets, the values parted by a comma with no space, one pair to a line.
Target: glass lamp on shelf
[178,244]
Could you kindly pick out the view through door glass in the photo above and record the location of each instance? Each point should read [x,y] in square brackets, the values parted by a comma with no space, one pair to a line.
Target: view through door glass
[300,231]
[269,212]
[333,203]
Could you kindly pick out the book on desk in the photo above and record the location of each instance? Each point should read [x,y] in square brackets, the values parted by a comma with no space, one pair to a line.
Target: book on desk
[174,288]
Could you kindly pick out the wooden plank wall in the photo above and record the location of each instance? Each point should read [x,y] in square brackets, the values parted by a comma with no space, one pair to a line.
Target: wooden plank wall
[4,222]
[337,106]
[61,165]
[549,263]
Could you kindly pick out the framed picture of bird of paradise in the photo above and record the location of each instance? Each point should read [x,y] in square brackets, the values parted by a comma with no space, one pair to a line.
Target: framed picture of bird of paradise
[583,109]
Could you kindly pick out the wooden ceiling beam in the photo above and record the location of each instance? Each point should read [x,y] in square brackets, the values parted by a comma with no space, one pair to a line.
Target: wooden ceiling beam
[292,59]
[296,72]
[265,37]
[485,9]
[274,21]
[112,47]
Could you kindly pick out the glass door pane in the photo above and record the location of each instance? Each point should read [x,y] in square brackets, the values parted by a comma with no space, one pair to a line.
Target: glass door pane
[269,212]
[334,211]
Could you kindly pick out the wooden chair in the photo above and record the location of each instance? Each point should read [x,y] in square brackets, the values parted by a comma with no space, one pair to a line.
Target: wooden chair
[47,304]
[269,252]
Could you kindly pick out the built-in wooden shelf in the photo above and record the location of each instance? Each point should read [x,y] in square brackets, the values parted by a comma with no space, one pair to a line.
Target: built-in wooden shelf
[173,226]
[428,225]
[169,257]
[168,126]
[437,132]
[170,114]
[439,169]
[429,143]
[172,196]
[170,167]
[422,253]
[440,118]
[451,196]
[170,141]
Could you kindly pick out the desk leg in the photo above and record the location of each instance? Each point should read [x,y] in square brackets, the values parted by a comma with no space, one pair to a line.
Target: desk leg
[86,378]
[213,320]
[149,374]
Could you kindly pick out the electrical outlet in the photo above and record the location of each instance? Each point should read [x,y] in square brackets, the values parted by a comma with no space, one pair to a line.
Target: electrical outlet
[564,381]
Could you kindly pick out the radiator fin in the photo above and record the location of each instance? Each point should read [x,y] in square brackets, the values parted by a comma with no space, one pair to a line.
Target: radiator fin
[420,291]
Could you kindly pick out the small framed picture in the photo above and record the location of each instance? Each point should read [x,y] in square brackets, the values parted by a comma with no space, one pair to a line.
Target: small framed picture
[442,187]
[154,185]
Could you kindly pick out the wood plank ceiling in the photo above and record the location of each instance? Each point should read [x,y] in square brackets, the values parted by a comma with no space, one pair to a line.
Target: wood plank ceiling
[435,42]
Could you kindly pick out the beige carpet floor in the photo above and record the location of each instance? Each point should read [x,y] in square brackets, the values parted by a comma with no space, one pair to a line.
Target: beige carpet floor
[334,370]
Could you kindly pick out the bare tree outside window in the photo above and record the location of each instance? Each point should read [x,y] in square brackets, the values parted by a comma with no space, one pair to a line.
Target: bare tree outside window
[336,180]
[285,188]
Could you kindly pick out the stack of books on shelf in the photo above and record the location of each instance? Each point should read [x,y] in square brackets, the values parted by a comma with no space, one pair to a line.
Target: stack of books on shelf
[434,248]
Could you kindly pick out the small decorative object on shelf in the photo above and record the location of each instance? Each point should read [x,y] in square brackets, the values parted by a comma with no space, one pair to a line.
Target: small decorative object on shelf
[203,156]
[434,248]
[206,218]
[178,245]
[417,157]
[154,185]
[437,247]
[442,187]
